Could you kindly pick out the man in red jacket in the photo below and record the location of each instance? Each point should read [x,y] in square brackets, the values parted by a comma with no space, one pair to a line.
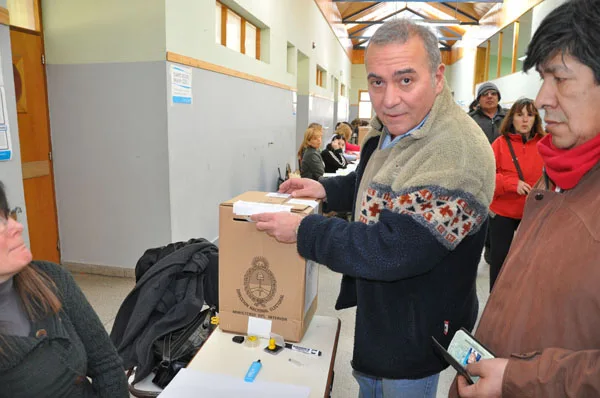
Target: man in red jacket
[542,318]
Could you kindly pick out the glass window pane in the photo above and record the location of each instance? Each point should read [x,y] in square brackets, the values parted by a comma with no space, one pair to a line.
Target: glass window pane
[250,40]
[507,50]
[493,68]
[22,14]
[364,110]
[218,23]
[364,96]
[234,31]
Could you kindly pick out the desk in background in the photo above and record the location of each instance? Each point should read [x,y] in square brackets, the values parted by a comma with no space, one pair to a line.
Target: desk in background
[221,355]
[342,172]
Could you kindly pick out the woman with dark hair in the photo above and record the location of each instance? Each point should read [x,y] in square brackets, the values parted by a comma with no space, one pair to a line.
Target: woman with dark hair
[346,131]
[518,167]
[333,155]
[52,343]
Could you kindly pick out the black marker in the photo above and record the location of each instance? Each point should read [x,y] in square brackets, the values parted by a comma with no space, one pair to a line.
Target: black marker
[303,350]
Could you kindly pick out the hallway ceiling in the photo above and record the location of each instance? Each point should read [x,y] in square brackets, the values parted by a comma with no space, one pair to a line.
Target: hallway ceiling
[448,19]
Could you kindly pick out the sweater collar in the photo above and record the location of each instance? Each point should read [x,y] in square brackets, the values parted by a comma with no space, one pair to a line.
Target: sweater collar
[6,288]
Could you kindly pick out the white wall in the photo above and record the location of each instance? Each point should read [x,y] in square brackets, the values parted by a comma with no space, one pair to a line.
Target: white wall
[90,31]
[518,85]
[109,137]
[540,12]
[223,145]
[460,77]
[358,82]
[108,118]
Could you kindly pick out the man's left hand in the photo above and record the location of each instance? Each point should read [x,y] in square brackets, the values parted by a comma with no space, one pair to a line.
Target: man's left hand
[282,225]
[489,385]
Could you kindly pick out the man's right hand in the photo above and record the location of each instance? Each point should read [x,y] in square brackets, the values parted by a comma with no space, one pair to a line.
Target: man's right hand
[303,188]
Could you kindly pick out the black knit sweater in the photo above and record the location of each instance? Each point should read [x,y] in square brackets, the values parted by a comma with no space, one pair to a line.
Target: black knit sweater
[62,351]
[333,159]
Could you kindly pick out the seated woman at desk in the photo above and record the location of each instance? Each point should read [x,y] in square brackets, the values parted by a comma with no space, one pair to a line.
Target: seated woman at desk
[345,131]
[333,156]
[51,340]
[311,165]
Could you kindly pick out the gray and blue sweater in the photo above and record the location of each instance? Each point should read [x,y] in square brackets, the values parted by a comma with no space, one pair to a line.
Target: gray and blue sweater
[410,259]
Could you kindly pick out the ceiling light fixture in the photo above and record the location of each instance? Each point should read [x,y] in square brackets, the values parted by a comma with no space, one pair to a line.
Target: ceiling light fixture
[439,22]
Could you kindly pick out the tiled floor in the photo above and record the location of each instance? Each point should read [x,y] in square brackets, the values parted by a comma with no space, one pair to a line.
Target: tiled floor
[107,293]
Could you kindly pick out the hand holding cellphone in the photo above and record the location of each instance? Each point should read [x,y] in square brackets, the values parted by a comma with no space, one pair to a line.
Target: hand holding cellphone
[463,350]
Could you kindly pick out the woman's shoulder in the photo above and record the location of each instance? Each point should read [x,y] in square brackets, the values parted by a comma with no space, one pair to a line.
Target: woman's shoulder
[311,152]
[55,272]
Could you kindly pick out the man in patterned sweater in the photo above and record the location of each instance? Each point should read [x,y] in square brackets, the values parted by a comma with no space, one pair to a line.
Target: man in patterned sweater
[419,199]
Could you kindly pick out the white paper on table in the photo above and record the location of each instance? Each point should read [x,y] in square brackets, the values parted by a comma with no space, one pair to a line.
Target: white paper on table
[278,195]
[307,202]
[243,208]
[192,384]
[259,327]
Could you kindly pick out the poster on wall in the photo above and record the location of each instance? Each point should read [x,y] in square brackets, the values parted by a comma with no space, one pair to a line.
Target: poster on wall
[5,144]
[181,84]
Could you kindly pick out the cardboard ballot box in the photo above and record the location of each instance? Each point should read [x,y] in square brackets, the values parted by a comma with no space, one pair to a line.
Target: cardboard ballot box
[264,285]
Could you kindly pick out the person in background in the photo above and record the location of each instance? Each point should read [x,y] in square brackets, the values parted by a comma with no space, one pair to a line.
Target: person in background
[542,318]
[488,113]
[355,124]
[520,132]
[338,124]
[312,165]
[419,201]
[345,131]
[317,126]
[333,156]
[51,340]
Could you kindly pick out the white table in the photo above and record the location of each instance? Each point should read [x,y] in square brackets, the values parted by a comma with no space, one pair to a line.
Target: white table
[342,172]
[220,354]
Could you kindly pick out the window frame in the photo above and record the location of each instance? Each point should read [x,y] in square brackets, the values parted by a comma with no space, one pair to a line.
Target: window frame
[360,101]
[321,77]
[243,22]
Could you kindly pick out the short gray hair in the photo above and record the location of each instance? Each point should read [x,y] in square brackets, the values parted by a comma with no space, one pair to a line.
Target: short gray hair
[398,31]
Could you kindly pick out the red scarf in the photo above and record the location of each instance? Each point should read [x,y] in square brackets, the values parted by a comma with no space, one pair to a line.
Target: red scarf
[567,166]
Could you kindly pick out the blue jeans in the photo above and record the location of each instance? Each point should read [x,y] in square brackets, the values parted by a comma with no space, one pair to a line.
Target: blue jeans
[390,388]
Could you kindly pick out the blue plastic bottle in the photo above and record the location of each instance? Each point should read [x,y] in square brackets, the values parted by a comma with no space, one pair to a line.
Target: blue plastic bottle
[253,371]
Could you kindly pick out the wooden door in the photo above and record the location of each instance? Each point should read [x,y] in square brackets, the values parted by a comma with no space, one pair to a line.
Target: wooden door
[34,137]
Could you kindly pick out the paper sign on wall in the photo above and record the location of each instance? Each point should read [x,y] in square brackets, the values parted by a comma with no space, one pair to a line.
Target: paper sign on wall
[5,144]
[181,84]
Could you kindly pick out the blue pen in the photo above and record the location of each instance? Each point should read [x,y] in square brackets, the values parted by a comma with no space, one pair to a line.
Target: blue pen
[253,371]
